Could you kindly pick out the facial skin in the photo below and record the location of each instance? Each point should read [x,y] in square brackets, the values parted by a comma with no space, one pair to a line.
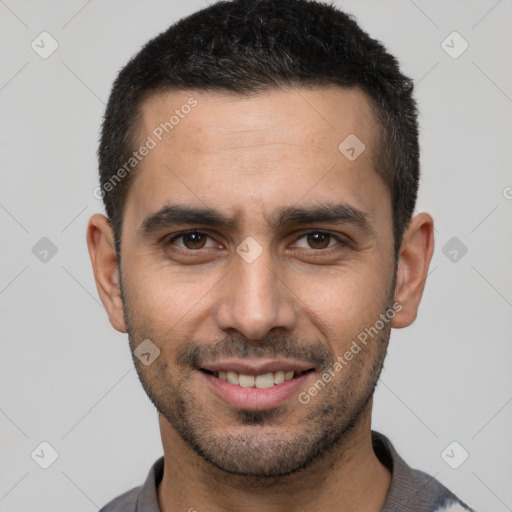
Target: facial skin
[303,300]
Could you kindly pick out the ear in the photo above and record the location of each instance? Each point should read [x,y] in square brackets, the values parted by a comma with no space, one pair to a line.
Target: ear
[413,262]
[100,242]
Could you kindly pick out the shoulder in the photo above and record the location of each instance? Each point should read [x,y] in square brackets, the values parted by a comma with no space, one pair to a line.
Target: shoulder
[454,507]
[126,502]
[413,488]
[142,498]
[424,488]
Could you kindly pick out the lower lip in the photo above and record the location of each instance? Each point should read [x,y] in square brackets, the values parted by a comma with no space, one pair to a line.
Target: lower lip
[253,398]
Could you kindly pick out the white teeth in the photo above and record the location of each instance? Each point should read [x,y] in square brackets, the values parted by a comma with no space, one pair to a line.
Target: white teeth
[232,377]
[246,381]
[279,377]
[263,381]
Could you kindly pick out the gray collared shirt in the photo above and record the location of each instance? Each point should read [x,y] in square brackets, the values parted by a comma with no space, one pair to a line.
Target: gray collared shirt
[410,489]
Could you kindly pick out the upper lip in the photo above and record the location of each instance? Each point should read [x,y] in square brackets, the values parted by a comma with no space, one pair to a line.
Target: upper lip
[256,366]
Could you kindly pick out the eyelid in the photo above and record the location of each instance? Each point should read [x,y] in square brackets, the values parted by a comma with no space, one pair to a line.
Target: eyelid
[323,232]
[181,234]
[298,236]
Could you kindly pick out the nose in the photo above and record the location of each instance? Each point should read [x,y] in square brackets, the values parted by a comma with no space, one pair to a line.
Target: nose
[255,299]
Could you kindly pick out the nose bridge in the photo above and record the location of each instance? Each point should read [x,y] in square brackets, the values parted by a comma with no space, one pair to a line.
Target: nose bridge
[255,300]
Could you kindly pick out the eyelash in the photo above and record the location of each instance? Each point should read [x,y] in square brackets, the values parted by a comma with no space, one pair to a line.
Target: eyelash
[316,231]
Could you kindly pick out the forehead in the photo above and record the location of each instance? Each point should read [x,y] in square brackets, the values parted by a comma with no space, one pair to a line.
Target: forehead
[239,151]
[307,118]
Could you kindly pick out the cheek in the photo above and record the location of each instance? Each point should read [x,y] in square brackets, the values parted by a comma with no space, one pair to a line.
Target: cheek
[168,301]
[173,302]
[345,302]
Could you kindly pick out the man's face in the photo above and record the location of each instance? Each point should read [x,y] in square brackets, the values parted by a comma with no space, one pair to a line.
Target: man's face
[264,293]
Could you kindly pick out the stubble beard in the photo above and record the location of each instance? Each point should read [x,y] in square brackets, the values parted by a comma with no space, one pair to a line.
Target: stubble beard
[251,443]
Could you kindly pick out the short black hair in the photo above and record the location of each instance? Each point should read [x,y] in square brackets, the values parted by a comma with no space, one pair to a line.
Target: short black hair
[250,46]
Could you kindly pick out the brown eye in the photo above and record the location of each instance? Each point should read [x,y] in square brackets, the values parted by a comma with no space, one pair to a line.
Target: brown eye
[318,240]
[192,240]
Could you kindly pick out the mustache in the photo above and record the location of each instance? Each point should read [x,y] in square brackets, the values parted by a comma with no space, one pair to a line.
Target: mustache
[274,346]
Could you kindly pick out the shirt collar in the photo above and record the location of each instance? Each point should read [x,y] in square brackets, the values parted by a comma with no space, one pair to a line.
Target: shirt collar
[147,500]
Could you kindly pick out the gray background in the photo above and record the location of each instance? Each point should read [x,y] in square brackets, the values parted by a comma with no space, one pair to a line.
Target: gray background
[66,376]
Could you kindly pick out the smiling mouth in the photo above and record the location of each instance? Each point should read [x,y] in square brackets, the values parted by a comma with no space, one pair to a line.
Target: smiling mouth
[260,381]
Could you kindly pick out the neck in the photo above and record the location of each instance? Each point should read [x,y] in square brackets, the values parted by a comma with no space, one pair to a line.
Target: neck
[347,478]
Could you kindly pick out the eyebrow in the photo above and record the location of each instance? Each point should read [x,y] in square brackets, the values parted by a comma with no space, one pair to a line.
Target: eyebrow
[173,215]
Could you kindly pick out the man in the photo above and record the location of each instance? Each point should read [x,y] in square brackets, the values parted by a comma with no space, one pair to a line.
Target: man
[259,165]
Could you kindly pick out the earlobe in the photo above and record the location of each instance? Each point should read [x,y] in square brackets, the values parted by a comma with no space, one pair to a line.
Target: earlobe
[100,242]
[413,263]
